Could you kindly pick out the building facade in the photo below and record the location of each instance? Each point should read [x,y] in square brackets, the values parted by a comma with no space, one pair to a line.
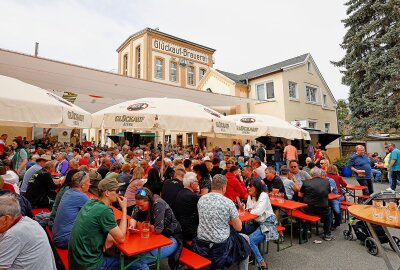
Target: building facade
[293,90]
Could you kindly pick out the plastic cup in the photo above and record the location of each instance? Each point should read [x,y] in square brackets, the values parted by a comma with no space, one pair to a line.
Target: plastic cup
[391,212]
[378,211]
[145,229]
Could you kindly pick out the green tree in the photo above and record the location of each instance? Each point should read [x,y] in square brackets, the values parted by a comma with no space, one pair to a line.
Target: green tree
[343,116]
[372,64]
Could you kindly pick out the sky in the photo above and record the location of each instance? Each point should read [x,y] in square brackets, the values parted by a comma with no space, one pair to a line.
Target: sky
[246,34]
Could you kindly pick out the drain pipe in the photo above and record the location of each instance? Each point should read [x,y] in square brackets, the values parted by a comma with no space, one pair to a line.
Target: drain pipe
[248,95]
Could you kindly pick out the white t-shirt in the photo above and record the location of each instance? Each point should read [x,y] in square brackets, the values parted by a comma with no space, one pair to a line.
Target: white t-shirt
[247,150]
[261,170]
[120,159]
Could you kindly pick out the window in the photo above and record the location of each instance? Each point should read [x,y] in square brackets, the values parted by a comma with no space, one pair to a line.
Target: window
[159,68]
[309,66]
[138,62]
[202,73]
[125,65]
[265,91]
[312,124]
[190,75]
[293,90]
[172,69]
[167,138]
[189,137]
[327,127]
[324,104]
[311,94]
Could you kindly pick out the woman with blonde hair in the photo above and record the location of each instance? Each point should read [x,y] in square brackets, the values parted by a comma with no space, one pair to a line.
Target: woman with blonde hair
[136,183]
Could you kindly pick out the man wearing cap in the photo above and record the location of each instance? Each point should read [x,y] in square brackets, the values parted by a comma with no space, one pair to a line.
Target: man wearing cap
[35,168]
[95,229]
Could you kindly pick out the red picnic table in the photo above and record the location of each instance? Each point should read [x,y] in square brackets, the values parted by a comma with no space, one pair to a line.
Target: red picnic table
[289,206]
[135,245]
[352,190]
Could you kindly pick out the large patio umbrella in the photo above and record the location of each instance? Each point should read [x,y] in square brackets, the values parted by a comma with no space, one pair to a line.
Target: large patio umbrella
[164,114]
[257,125]
[25,105]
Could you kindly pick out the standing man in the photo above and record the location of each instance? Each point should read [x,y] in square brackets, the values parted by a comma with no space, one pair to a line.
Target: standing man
[247,150]
[290,152]
[215,240]
[95,229]
[23,242]
[236,150]
[278,156]
[361,165]
[394,165]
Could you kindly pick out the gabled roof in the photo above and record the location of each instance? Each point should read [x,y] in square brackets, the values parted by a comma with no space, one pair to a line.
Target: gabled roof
[265,70]
[233,77]
[275,67]
[149,30]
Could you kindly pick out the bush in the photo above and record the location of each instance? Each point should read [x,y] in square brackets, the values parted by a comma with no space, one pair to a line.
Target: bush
[341,162]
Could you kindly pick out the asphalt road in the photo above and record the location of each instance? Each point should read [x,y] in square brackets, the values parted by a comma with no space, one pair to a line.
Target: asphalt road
[336,254]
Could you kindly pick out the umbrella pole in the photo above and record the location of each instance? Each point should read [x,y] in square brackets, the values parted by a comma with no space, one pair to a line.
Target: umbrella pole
[162,153]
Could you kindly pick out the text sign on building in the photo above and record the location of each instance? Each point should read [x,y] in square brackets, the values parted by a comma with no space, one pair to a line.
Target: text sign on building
[180,51]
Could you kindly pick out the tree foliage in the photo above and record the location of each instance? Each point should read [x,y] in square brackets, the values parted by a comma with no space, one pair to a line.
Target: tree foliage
[372,65]
[343,116]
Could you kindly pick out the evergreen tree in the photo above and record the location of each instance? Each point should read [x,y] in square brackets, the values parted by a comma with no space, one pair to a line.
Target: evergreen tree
[372,65]
[343,116]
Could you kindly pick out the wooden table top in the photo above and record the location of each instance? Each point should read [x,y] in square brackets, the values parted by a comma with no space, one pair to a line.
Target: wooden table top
[288,204]
[134,244]
[356,187]
[364,212]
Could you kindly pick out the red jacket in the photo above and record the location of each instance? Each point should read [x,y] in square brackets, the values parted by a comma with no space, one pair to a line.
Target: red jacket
[235,188]
[339,181]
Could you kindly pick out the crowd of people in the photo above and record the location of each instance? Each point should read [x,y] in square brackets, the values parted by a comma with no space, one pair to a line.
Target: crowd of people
[187,194]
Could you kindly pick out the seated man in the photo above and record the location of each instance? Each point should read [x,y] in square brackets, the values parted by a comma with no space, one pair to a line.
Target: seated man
[273,182]
[171,188]
[72,201]
[41,187]
[289,182]
[95,229]
[315,193]
[186,206]
[23,243]
[235,187]
[215,240]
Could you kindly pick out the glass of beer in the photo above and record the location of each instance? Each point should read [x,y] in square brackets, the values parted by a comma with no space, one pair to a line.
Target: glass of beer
[145,229]
[361,173]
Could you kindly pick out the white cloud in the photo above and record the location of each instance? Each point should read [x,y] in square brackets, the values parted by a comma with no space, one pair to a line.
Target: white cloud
[247,35]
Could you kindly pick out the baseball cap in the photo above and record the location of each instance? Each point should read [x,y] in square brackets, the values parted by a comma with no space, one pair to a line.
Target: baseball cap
[43,157]
[108,184]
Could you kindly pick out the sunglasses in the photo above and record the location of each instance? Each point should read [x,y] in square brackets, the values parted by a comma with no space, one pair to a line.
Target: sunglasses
[249,185]
[322,163]
[141,192]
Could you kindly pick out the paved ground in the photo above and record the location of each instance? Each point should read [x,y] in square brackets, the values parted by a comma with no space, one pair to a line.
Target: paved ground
[337,254]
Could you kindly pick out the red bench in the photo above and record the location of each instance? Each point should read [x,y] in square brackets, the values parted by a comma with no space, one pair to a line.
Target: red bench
[62,253]
[308,218]
[193,260]
[36,211]
[361,197]
[347,203]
